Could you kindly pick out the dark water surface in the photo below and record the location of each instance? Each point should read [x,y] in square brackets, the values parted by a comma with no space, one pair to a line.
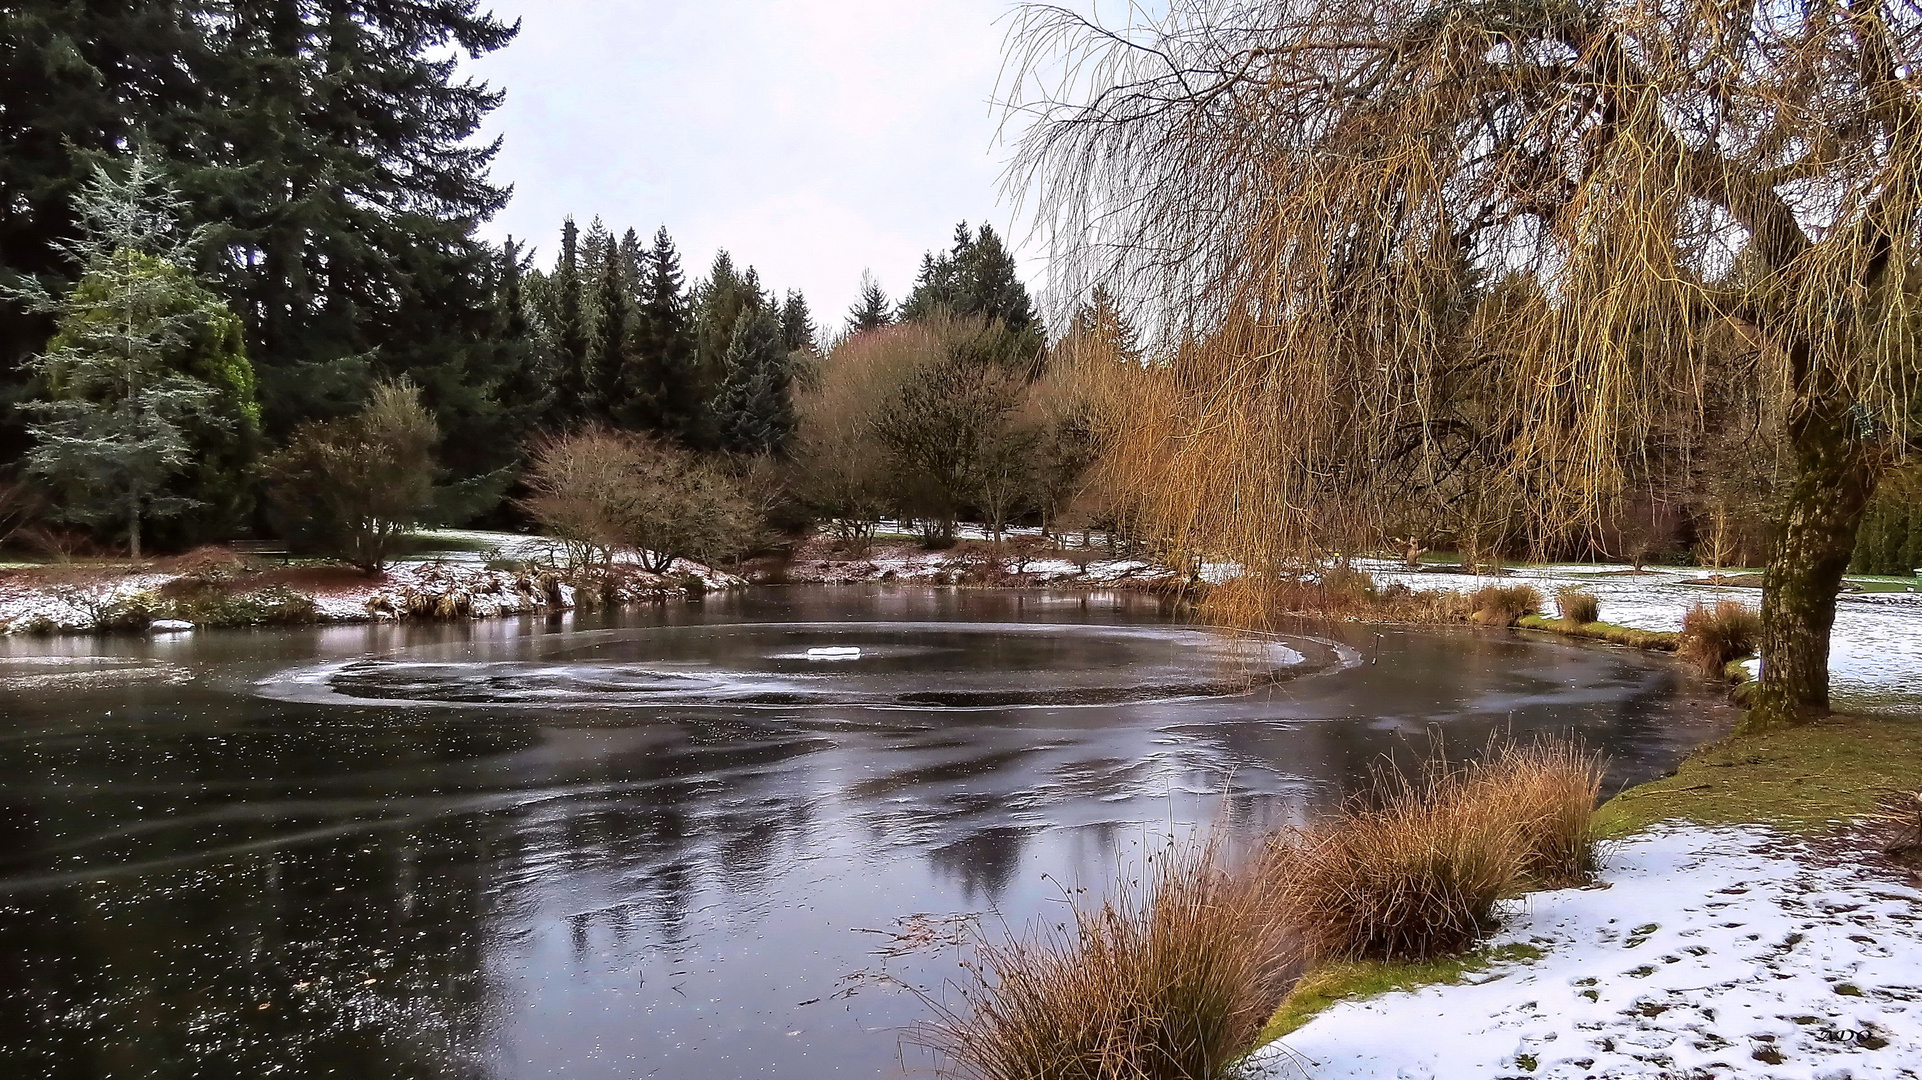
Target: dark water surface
[665,842]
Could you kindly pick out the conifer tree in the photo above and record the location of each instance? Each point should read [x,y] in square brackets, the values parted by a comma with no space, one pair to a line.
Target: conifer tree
[609,353]
[873,311]
[570,332]
[144,355]
[977,277]
[719,303]
[797,324]
[523,390]
[754,409]
[667,394]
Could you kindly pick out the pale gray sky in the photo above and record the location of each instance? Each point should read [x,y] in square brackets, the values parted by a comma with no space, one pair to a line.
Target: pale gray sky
[811,138]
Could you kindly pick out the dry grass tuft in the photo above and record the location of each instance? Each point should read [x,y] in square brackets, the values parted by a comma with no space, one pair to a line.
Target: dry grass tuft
[1901,817]
[1171,981]
[1714,635]
[1577,605]
[1501,605]
[1551,788]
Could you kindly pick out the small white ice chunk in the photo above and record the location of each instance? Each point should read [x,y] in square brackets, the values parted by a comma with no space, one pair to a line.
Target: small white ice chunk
[835,652]
[170,626]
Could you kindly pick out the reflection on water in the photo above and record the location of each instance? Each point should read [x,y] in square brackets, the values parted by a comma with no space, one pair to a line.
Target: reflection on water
[526,849]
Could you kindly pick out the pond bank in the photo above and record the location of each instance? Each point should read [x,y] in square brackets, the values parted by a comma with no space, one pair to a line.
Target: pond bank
[1746,923]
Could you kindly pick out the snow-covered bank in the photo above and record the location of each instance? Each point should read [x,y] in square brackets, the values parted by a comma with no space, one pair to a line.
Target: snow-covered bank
[1703,953]
[1875,661]
[444,585]
[1022,562]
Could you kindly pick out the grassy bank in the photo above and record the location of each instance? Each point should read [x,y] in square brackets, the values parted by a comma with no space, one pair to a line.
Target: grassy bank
[1801,779]
[1660,640]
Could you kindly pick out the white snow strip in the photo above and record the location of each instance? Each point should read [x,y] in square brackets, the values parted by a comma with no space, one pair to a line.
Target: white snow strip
[1704,954]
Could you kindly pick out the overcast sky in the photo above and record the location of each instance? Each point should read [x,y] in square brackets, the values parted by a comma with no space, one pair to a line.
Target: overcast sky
[811,138]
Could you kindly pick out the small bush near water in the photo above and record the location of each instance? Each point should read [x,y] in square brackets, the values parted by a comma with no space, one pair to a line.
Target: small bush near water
[1713,636]
[1577,605]
[1175,981]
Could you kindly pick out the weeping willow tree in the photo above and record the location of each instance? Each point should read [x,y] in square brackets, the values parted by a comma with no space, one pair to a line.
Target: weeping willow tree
[1494,247]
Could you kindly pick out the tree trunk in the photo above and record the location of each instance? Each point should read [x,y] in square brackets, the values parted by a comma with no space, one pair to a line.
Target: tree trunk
[1835,474]
[133,526]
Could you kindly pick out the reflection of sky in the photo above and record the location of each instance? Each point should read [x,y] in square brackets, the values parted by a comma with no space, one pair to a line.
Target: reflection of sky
[607,893]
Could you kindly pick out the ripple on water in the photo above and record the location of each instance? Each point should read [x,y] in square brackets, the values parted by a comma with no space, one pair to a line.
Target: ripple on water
[898,665]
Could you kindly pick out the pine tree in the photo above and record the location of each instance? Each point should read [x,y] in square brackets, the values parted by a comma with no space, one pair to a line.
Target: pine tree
[144,355]
[719,302]
[977,278]
[570,333]
[873,311]
[609,354]
[667,395]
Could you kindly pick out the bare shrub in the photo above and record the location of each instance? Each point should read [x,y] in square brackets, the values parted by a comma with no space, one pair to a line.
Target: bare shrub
[355,487]
[1577,605]
[21,505]
[1713,635]
[1501,605]
[1901,817]
[1168,981]
[842,471]
[604,491]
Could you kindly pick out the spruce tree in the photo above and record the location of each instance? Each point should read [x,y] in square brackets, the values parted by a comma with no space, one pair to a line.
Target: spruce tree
[523,390]
[719,302]
[754,408]
[873,311]
[145,359]
[667,395]
[570,333]
[609,354]
[797,325]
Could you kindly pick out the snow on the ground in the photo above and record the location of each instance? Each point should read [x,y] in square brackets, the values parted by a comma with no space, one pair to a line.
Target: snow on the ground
[1876,653]
[1704,954]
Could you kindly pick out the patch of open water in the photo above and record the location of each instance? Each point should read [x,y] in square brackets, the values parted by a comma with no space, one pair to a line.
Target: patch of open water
[668,841]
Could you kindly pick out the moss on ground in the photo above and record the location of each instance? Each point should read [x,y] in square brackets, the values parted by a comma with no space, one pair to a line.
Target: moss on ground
[1802,779]
[1356,980]
[1662,640]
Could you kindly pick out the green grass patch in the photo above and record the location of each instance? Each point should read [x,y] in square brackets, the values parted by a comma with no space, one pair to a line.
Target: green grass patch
[414,545]
[1358,980]
[1801,779]
[1662,640]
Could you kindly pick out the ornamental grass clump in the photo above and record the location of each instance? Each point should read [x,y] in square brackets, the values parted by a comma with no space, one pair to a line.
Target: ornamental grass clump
[1549,788]
[1577,605]
[1712,636]
[1411,871]
[1171,980]
[1501,605]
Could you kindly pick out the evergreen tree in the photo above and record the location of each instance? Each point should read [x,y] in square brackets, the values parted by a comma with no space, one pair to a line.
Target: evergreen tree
[667,393]
[333,153]
[1100,324]
[570,333]
[797,325]
[523,390]
[977,278]
[609,354]
[873,311]
[145,359]
[754,408]
[719,302]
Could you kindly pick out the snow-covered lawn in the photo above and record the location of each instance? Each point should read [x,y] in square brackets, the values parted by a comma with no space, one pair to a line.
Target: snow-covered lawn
[1875,660]
[1704,953]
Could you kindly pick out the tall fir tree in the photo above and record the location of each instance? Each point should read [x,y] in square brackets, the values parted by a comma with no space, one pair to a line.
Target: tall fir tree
[667,393]
[873,310]
[754,408]
[608,353]
[977,278]
[719,302]
[570,333]
[797,324]
[523,389]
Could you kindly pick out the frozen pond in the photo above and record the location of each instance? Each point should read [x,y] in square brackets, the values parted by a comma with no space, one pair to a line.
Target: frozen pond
[682,842]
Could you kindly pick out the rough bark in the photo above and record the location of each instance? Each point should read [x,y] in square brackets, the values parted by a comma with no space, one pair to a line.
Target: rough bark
[1835,476]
